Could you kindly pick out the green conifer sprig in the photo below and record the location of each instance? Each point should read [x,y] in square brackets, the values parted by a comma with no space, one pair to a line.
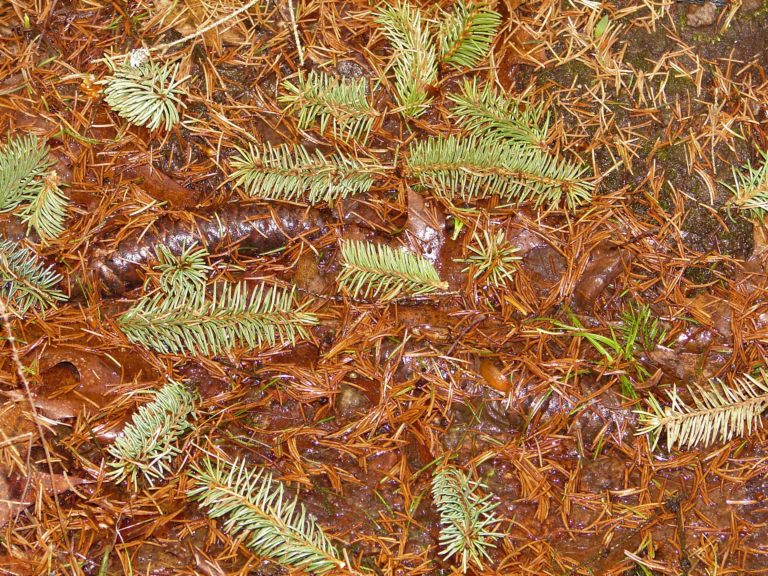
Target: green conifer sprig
[489,114]
[466,520]
[376,270]
[26,282]
[750,188]
[47,211]
[254,507]
[146,94]
[189,322]
[414,58]
[474,167]
[719,412]
[465,35]
[338,103]
[187,271]
[23,163]
[492,258]
[148,445]
[287,172]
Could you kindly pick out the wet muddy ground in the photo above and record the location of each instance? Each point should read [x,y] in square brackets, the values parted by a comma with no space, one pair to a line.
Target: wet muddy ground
[661,106]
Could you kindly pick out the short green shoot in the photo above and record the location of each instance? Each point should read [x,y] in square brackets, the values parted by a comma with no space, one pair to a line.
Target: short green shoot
[26,281]
[414,60]
[187,271]
[466,520]
[149,444]
[287,172]
[750,189]
[145,94]
[376,270]
[492,259]
[466,34]
[340,104]
[253,507]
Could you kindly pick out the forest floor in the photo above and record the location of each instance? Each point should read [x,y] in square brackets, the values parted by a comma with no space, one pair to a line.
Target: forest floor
[531,387]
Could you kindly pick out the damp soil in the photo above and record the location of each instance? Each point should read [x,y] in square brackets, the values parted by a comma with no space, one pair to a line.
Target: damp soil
[356,419]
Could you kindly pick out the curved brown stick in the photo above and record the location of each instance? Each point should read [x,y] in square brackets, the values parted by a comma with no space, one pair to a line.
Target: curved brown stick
[254,227]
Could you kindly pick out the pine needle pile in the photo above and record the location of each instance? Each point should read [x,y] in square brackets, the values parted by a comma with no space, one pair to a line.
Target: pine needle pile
[288,172]
[720,412]
[26,281]
[376,270]
[146,93]
[149,444]
[466,519]
[414,61]
[338,103]
[492,258]
[190,322]
[473,167]
[253,507]
[466,34]
[750,188]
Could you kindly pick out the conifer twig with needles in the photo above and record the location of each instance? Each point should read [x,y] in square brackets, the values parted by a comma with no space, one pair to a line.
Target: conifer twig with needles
[24,163]
[379,271]
[466,519]
[340,103]
[465,35]
[492,258]
[254,507]
[189,322]
[719,412]
[47,211]
[414,60]
[750,188]
[287,172]
[26,282]
[150,442]
[187,271]
[479,167]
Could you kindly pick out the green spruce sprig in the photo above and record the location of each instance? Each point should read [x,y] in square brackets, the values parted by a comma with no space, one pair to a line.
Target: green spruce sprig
[287,172]
[466,34]
[254,507]
[187,271]
[24,163]
[414,60]
[466,519]
[492,258]
[149,444]
[26,281]
[338,103]
[189,322]
[719,412]
[750,188]
[474,167]
[376,270]
[489,114]
[145,94]
[47,211]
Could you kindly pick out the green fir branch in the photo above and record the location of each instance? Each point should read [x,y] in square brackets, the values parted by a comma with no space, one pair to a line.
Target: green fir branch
[479,167]
[23,164]
[466,520]
[47,211]
[719,412]
[191,323]
[414,60]
[492,258]
[149,443]
[376,270]
[187,271]
[26,282]
[287,172]
[338,103]
[750,188]
[254,508]
[146,94]
[489,114]
[465,35]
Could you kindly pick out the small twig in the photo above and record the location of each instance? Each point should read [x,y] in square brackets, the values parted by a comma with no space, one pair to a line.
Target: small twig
[295,26]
